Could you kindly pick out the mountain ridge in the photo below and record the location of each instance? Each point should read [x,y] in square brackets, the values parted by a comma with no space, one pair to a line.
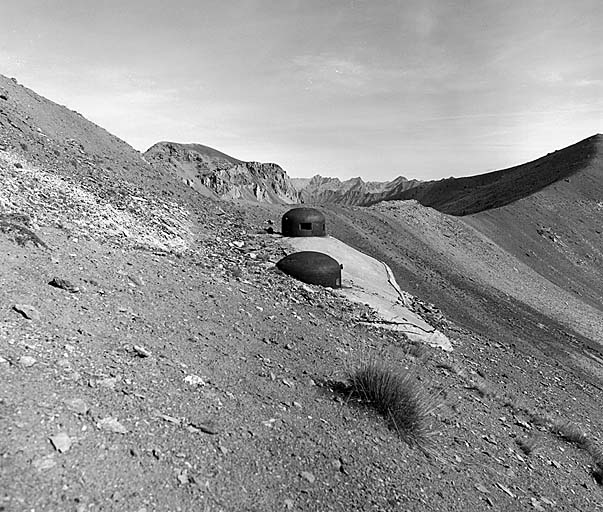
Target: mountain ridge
[324,190]
[218,175]
[472,194]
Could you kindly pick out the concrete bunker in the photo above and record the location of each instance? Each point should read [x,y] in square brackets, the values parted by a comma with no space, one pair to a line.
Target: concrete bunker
[313,268]
[303,222]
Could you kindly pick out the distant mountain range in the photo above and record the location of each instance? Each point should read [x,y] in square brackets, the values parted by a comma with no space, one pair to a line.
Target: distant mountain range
[355,191]
[221,176]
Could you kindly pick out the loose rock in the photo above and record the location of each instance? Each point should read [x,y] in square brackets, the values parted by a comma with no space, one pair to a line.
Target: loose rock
[536,504]
[61,442]
[141,351]
[194,380]
[136,280]
[27,361]
[108,383]
[59,282]
[111,424]
[306,475]
[77,405]
[44,463]
[206,427]
[27,311]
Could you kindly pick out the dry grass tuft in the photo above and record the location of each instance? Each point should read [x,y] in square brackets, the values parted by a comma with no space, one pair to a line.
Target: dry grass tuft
[571,433]
[396,396]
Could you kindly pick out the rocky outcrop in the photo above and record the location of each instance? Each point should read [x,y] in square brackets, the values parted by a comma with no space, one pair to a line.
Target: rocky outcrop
[221,176]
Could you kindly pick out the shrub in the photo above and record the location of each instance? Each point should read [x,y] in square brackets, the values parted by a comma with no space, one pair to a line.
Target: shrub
[396,396]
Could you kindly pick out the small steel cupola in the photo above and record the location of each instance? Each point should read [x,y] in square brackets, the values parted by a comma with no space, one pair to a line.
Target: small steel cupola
[313,268]
[303,222]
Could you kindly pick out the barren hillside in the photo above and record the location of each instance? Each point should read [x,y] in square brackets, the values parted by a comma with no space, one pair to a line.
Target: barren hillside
[152,358]
[472,194]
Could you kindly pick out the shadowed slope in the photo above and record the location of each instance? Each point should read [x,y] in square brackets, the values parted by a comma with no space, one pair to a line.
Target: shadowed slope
[464,196]
[557,231]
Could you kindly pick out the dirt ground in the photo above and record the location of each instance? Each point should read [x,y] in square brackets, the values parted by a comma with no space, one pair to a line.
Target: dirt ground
[201,382]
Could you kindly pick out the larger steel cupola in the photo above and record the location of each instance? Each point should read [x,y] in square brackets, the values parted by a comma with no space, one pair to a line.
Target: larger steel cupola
[303,222]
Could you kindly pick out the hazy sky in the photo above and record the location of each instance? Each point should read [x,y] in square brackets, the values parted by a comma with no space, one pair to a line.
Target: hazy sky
[424,89]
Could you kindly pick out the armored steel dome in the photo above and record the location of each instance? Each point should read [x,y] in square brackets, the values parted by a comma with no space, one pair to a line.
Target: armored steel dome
[313,268]
[303,222]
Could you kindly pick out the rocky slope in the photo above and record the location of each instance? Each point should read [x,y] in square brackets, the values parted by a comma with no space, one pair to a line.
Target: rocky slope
[355,191]
[557,230]
[542,245]
[215,174]
[72,147]
[151,358]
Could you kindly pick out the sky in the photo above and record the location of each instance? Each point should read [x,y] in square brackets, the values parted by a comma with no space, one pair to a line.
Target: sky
[420,88]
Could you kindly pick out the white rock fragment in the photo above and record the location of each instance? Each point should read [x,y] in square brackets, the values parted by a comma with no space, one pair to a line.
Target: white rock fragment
[77,405]
[307,289]
[44,463]
[137,280]
[61,442]
[27,311]
[141,351]
[111,424]
[107,383]
[170,419]
[306,475]
[194,380]
[27,361]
